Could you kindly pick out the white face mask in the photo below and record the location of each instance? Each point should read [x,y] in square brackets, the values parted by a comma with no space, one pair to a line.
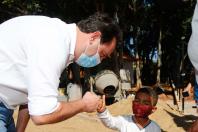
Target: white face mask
[89,61]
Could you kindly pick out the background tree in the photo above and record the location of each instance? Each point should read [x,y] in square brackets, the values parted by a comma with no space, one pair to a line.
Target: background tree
[148,22]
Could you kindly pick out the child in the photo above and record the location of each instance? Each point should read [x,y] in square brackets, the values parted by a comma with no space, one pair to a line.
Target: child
[143,105]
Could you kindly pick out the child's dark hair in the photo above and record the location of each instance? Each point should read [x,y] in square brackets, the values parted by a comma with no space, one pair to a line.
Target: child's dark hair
[150,92]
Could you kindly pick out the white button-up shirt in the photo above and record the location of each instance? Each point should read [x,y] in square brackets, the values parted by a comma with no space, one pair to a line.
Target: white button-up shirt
[34,50]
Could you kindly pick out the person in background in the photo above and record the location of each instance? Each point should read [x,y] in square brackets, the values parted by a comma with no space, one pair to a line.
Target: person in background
[194,127]
[143,105]
[193,52]
[192,85]
[34,50]
[196,94]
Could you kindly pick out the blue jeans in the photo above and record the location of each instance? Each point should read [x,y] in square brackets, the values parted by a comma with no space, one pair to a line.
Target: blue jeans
[196,91]
[6,119]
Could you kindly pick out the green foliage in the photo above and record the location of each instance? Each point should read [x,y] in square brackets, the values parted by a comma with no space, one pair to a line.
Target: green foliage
[8,2]
[13,8]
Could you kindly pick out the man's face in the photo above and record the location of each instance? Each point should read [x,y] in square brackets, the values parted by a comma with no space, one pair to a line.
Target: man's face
[95,52]
[107,48]
[104,49]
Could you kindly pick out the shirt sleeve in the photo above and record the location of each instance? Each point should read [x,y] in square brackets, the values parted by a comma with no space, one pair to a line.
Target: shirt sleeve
[110,121]
[45,63]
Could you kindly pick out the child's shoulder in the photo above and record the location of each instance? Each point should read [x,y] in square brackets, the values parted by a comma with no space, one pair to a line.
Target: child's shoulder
[153,124]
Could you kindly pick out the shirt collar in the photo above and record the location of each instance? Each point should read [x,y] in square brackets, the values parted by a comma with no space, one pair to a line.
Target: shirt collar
[72,34]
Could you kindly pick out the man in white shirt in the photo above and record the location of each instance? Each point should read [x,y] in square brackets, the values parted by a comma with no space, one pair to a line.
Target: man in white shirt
[34,50]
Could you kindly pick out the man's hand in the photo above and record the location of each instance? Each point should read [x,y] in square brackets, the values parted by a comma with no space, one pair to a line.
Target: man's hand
[102,106]
[91,102]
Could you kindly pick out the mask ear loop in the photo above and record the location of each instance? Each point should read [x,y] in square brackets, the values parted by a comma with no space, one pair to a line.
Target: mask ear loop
[86,48]
[97,53]
[97,48]
[98,45]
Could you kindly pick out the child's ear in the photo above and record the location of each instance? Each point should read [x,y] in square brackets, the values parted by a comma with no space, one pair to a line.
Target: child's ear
[154,109]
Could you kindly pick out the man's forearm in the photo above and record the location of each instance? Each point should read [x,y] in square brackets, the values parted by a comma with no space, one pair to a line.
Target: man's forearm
[64,111]
[23,118]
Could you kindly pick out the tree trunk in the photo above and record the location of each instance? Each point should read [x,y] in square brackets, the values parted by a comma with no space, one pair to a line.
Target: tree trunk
[139,82]
[159,59]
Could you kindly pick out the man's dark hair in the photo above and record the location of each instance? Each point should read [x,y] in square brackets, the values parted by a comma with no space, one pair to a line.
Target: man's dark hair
[149,91]
[103,23]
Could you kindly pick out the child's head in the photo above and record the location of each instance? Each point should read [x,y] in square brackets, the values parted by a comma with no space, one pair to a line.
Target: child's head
[145,102]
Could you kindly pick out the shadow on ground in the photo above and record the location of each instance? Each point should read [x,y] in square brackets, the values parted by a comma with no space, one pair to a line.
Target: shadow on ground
[184,121]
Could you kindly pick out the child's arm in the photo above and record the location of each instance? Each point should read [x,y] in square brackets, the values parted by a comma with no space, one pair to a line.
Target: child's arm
[107,119]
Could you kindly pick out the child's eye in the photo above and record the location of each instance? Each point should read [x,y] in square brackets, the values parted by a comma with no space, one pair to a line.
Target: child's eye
[136,100]
[146,103]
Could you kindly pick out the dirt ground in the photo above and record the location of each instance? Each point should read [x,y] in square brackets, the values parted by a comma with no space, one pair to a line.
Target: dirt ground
[168,116]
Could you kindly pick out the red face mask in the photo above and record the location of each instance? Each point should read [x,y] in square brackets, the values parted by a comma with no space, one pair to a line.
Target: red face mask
[141,110]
